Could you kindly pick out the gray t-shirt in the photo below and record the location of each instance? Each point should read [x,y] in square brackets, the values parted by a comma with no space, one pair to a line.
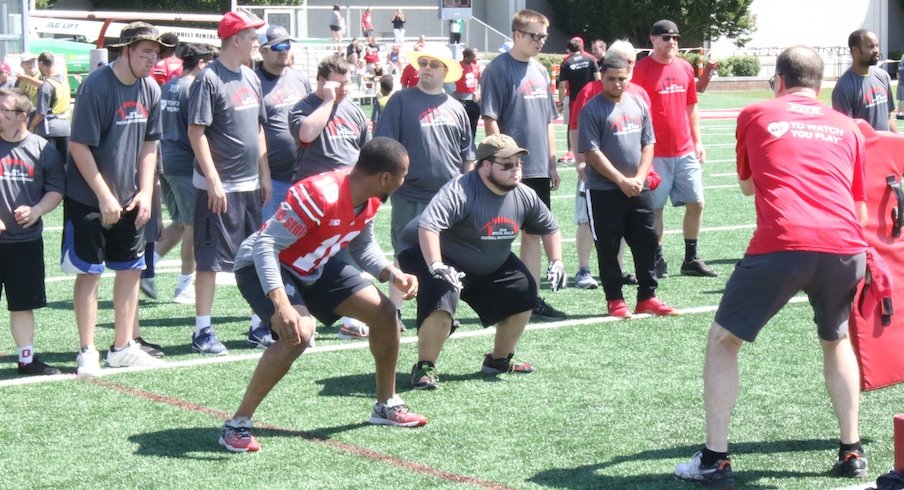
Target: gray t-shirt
[281,93]
[28,170]
[177,154]
[53,125]
[231,105]
[619,131]
[338,144]
[517,95]
[113,120]
[477,226]
[868,98]
[436,131]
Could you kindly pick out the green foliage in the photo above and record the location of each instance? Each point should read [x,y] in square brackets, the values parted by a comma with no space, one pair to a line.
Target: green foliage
[739,66]
[697,20]
[692,57]
[549,59]
[194,6]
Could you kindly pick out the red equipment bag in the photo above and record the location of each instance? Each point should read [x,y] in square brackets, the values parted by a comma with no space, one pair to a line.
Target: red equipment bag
[876,333]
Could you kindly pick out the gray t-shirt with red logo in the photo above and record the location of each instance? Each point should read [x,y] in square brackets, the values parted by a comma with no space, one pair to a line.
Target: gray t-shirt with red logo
[177,154]
[437,134]
[476,226]
[230,104]
[281,93]
[517,95]
[338,144]
[28,169]
[114,120]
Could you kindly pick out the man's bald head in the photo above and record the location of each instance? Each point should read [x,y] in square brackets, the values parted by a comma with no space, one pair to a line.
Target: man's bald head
[800,66]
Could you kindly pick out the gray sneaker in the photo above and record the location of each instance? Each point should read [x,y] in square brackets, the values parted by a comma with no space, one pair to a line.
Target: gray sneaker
[717,476]
[584,279]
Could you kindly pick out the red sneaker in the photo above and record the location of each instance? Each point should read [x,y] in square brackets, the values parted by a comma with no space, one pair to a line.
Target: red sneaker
[236,437]
[655,306]
[395,412]
[618,308]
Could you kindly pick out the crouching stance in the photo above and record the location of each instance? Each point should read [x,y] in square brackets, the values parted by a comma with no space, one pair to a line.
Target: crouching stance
[287,273]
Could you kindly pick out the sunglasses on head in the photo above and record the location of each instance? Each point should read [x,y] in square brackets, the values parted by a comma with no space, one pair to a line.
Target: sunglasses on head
[281,47]
[536,36]
[669,37]
[434,64]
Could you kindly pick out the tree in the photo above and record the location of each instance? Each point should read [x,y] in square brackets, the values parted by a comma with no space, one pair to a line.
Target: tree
[697,20]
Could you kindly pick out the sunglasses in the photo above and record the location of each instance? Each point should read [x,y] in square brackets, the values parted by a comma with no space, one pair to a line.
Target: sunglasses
[669,37]
[536,36]
[772,82]
[279,48]
[508,167]
[433,64]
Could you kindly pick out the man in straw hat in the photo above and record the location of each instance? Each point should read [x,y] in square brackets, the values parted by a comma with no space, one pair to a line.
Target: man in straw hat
[461,248]
[435,130]
[232,174]
[109,185]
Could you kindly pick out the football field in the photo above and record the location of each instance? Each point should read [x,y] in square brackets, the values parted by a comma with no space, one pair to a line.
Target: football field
[613,404]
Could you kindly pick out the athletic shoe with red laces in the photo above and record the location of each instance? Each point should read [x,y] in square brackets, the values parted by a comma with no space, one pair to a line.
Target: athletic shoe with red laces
[654,306]
[851,464]
[236,436]
[395,412]
[505,365]
[618,308]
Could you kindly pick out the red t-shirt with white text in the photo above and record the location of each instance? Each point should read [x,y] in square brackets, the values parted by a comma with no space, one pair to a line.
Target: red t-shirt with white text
[672,89]
[807,165]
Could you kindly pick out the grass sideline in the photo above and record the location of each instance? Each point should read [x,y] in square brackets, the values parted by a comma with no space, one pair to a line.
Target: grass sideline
[613,404]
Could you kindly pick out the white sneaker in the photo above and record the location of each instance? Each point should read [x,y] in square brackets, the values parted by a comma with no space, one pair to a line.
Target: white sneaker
[131,356]
[185,293]
[352,329]
[87,364]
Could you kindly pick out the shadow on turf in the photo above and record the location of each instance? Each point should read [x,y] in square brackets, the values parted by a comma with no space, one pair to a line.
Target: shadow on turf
[362,385]
[196,442]
[589,476]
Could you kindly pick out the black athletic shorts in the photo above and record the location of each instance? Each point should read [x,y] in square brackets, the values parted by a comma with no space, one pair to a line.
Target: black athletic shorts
[88,245]
[22,275]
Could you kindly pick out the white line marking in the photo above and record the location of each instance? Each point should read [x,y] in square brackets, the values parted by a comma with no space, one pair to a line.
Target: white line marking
[354,345]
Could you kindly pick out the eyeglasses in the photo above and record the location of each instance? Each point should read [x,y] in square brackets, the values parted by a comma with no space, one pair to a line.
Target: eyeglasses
[669,37]
[434,64]
[509,166]
[279,48]
[772,81]
[536,36]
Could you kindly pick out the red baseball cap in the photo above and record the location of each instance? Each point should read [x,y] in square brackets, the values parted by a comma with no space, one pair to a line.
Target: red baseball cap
[234,22]
[578,40]
[4,68]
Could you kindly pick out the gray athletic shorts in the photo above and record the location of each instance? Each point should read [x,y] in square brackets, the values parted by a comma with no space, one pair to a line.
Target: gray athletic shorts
[179,196]
[218,236]
[762,284]
[682,180]
[403,211]
[581,215]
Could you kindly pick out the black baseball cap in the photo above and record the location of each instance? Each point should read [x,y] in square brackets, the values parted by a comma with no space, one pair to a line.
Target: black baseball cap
[664,26]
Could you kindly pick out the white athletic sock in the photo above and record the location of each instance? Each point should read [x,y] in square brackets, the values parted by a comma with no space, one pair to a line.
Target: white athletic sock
[156,258]
[201,322]
[255,321]
[25,354]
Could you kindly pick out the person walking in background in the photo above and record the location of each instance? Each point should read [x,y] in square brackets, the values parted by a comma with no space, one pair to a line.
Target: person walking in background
[467,88]
[679,153]
[32,182]
[367,23]
[398,27]
[51,118]
[337,25]
[526,114]
[864,90]
[800,244]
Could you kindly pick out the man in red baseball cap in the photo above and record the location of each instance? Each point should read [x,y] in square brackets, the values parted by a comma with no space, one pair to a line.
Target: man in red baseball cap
[4,75]
[231,176]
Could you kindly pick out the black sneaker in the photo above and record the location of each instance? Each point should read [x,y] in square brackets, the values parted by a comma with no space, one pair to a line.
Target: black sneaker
[851,464]
[696,267]
[423,376]
[628,279]
[717,476]
[37,368]
[148,286]
[546,312]
[662,268]
[505,365]
[153,350]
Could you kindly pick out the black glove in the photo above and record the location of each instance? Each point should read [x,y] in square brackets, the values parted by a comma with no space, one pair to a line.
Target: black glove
[556,276]
[447,273]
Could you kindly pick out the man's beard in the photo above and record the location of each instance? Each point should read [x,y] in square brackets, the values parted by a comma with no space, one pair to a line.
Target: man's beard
[505,187]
